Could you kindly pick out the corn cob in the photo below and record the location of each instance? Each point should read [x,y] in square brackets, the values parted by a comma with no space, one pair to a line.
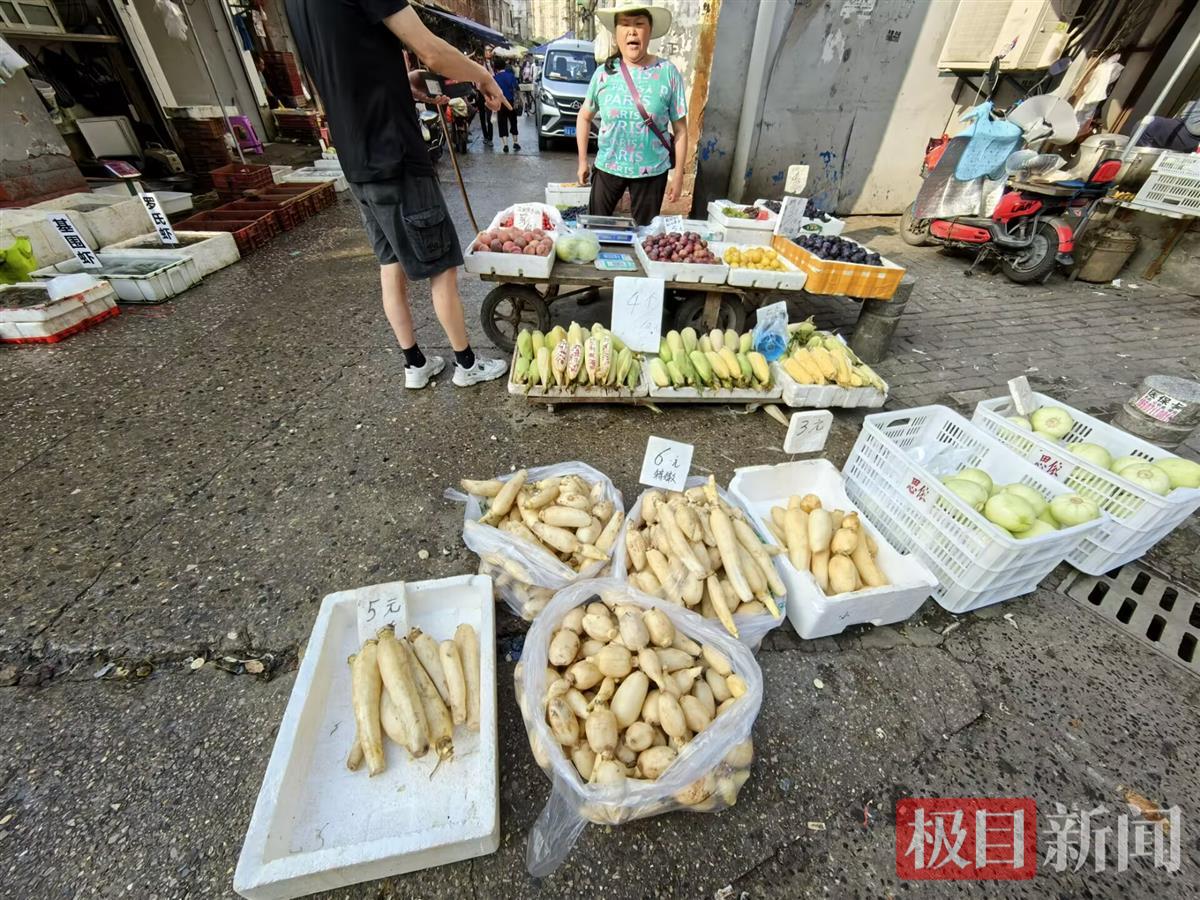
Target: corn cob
[675,342]
[762,372]
[659,373]
[574,361]
[604,358]
[716,337]
[731,363]
[558,362]
[521,370]
[704,344]
[624,360]
[664,351]
[537,341]
[575,335]
[824,363]
[720,370]
[677,379]
[703,368]
[543,366]
[591,358]
[747,342]
[792,366]
[747,371]
[525,345]
[689,338]
[635,373]
[732,341]
[804,359]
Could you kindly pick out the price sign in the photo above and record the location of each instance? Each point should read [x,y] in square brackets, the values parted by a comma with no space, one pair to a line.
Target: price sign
[666,464]
[808,431]
[74,240]
[791,216]
[672,224]
[637,311]
[1022,395]
[162,225]
[527,216]
[432,88]
[381,605]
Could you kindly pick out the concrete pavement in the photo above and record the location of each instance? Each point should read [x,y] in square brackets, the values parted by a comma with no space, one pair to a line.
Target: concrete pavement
[189,480]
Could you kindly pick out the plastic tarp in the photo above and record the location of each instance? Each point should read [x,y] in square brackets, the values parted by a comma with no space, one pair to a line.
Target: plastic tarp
[470,25]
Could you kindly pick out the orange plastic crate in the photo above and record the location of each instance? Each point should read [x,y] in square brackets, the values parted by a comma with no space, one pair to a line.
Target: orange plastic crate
[831,276]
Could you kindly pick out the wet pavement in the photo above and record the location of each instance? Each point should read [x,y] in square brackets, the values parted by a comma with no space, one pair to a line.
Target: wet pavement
[190,480]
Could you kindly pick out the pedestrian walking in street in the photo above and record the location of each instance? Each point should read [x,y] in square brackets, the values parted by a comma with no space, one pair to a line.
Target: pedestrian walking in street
[642,142]
[507,118]
[485,114]
[352,50]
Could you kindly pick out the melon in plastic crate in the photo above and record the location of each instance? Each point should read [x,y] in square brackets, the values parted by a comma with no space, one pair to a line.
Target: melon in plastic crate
[814,614]
[894,475]
[832,276]
[825,396]
[318,826]
[1139,518]
[790,279]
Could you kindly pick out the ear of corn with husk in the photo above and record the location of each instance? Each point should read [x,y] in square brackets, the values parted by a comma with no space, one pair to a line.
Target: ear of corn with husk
[576,358]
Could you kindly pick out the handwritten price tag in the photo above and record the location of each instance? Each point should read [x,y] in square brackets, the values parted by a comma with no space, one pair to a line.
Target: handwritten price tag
[381,605]
[808,431]
[666,464]
[637,311]
[527,216]
[791,216]
[1022,395]
[672,224]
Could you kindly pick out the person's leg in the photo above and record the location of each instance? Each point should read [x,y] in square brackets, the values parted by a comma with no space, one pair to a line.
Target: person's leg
[512,124]
[447,303]
[485,119]
[646,197]
[502,122]
[395,303]
[606,193]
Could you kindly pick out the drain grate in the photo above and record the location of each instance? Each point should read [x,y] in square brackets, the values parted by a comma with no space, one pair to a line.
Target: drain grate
[1159,614]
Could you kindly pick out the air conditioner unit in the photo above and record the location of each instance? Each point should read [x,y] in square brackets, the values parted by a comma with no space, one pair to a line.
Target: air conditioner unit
[1031,34]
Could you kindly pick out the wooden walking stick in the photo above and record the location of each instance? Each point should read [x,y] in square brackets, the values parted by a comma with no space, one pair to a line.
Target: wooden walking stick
[458,173]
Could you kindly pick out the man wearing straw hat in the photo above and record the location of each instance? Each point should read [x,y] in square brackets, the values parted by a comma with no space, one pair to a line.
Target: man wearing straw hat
[351,49]
[641,103]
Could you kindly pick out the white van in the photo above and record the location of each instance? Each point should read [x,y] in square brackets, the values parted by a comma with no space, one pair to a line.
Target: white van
[566,73]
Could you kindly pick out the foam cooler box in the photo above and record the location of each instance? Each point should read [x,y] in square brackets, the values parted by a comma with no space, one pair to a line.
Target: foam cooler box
[894,476]
[812,613]
[29,316]
[1138,519]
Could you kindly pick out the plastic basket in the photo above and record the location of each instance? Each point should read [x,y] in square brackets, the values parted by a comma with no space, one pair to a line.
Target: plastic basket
[231,180]
[893,475]
[831,276]
[1173,185]
[1139,518]
[249,231]
[812,613]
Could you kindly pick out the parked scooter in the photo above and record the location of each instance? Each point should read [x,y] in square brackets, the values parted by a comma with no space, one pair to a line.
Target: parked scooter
[459,113]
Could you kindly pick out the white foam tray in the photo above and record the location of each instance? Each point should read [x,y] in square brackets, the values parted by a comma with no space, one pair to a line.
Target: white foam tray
[54,316]
[710,395]
[791,279]
[175,275]
[515,265]
[215,250]
[567,194]
[683,273]
[825,396]
[318,174]
[108,217]
[814,615]
[317,825]
[716,214]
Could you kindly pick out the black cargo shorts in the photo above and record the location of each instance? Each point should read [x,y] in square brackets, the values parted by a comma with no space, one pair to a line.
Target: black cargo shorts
[407,221]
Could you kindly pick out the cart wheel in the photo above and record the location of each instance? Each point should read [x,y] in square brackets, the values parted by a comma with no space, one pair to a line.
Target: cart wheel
[510,307]
[690,314]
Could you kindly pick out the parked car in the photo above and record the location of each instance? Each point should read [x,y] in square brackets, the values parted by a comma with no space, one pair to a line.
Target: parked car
[566,74]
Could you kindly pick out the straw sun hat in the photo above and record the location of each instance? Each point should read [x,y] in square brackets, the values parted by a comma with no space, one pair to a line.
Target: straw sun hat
[660,16]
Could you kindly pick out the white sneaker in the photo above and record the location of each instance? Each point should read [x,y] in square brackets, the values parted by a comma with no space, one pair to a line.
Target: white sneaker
[416,377]
[483,370]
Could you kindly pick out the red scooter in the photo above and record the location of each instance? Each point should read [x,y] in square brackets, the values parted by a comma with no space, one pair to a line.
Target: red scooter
[1030,230]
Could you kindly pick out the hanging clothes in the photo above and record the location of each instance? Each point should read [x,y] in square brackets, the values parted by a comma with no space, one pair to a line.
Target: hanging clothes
[992,141]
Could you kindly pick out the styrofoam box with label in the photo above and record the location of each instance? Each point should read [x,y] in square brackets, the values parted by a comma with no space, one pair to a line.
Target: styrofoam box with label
[108,217]
[812,613]
[683,273]
[317,174]
[46,243]
[317,825]
[210,250]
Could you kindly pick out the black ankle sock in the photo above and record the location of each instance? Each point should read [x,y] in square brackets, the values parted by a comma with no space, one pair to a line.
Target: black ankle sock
[465,358]
[413,356]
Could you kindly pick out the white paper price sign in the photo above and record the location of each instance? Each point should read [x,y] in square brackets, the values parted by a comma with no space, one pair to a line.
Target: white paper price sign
[791,216]
[74,240]
[527,216]
[1022,395]
[381,605]
[432,88]
[162,225]
[666,464]
[808,431]
[672,224]
[637,311]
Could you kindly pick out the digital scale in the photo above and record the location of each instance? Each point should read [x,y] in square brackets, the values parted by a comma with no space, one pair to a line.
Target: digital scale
[618,230]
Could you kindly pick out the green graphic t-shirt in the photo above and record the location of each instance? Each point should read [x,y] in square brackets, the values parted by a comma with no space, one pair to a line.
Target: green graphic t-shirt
[626,147]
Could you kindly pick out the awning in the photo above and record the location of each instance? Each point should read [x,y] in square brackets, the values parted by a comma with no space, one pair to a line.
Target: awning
[481,31]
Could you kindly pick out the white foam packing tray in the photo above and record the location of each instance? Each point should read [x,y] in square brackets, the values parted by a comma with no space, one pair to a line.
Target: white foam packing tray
[683,273]
[824,396]
[791,279]
[812,613]
[515,265]
[317,825]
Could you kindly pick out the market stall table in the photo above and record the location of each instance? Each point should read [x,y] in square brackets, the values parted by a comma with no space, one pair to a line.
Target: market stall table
[520,302]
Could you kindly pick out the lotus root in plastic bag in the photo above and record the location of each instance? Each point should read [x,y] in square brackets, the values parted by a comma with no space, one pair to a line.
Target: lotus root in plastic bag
[704,770]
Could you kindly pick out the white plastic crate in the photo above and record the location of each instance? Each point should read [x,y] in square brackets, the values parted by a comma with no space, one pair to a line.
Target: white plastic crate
[314,174]
[812,613]
[1139,518]
[211,250]
[683,273]
[824,396]
[1173,185]
[318,826]
[138,277]
[894,473]
[790,279]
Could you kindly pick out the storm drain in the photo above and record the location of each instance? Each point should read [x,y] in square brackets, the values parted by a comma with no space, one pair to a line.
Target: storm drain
[1159,614]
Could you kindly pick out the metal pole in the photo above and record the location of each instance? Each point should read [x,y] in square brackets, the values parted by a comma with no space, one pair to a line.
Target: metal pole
[212,81]
[454,159]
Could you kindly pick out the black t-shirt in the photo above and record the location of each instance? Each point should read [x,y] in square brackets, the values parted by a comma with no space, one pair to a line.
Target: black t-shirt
[358,66]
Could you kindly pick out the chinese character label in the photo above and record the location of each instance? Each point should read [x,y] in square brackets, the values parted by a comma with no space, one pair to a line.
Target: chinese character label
[74,240]
[666,464]
[1080,838]
[1158,405]
[918,489]
[966,838]
[637,311]
[1048,463]
[808,431]
[380,606]
[162,225]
